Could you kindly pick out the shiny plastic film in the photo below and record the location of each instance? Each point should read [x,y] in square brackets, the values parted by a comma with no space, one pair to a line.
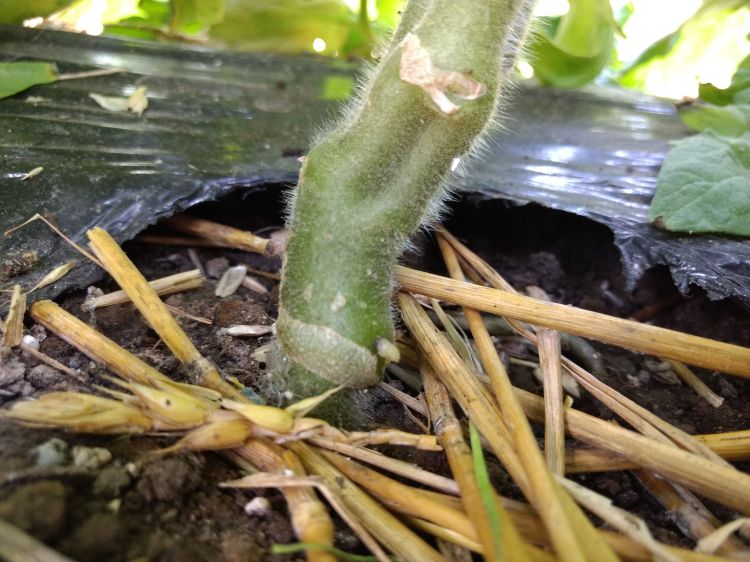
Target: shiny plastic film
[219,121]
[597,153]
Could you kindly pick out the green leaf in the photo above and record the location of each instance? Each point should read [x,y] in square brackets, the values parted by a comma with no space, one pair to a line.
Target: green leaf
[337,87]
[704,186]
[388,11]
[15,11]
[657,50]
[194,17]
[730,120]
[572,50]
[285,26]
[714,35]
[90,16]
[625,12]
[740,83]
[18,76]
[742,97]
[109,11]
[712,94]
[150,24]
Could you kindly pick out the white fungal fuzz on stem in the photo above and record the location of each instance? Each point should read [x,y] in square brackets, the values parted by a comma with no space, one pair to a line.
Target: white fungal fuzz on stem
[387,350]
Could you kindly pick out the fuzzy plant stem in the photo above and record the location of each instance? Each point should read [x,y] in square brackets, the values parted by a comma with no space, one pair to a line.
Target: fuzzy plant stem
[379,174]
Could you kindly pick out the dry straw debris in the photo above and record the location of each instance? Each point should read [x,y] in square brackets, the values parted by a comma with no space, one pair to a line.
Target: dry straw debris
[311,461]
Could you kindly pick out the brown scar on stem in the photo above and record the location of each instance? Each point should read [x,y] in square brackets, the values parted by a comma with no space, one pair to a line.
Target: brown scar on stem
[416,68]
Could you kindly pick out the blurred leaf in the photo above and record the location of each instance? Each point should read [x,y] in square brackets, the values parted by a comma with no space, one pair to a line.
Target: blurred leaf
[704,186]
[155,12]
[742,97]
[358,42]
[151,24]
[717,96]
[658,49]
[337,88]
[15,11]
[624,14]
[573,49]
[194,17]
[714,35]
[388,12]
[17,76]
[154,15]
[90,16]
[731,120]
[740,81]
[704,183]
[285,26]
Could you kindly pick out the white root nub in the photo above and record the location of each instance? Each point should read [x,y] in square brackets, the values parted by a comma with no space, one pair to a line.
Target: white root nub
[387,350]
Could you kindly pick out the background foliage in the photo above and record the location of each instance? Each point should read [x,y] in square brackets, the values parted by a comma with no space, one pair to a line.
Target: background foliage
[666,47]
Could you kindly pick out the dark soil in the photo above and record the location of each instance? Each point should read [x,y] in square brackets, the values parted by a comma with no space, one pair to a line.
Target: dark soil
[125,505]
